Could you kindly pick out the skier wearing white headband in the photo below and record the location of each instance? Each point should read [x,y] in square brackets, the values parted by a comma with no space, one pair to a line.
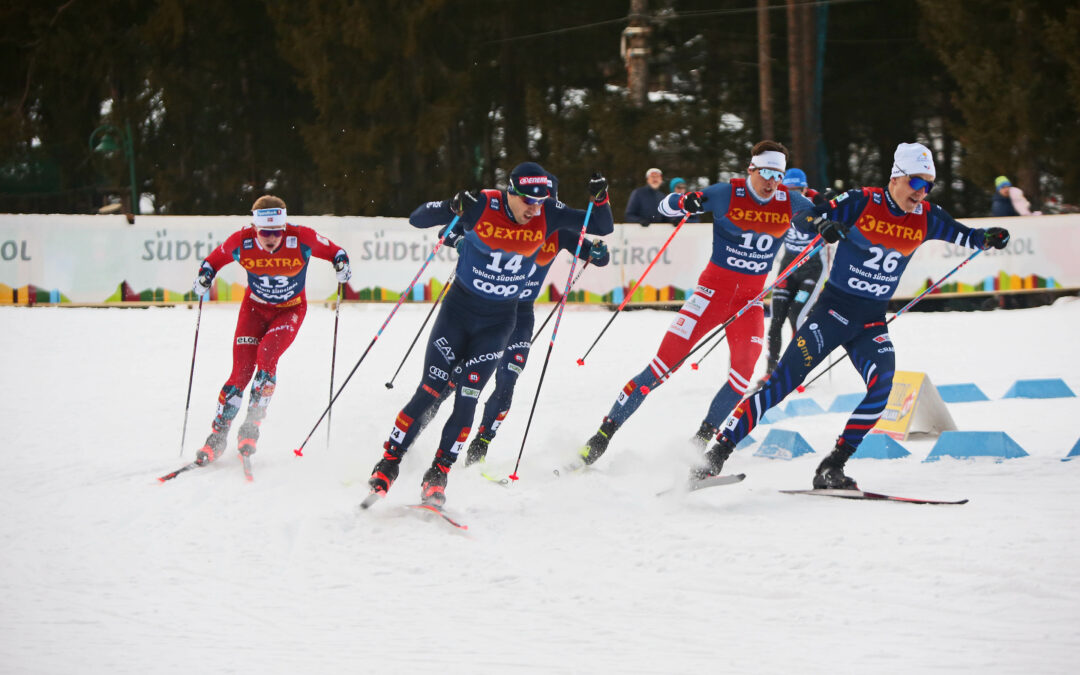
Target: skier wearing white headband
[750,217]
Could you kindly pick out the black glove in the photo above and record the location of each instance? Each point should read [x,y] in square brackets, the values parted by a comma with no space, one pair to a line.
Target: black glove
[463,201]
[598,253]
[598,188]
[691,201]
[995,237]
[453,237]
[831,231]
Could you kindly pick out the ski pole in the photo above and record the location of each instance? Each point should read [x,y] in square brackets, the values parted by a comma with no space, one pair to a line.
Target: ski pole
[449,280]
[629,295]
[554,333]
[811,249]
[802,387]
[299,452]
[333,355]
[191,376]
[556,307]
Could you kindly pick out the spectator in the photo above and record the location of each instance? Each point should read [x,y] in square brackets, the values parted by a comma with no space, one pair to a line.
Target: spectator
[643,203]
[1010,200]
[679,187]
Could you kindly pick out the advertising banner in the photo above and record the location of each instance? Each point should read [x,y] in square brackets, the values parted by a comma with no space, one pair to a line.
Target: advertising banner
[96,259]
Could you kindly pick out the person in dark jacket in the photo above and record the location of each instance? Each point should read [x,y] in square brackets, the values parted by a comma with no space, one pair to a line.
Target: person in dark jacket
[643,203]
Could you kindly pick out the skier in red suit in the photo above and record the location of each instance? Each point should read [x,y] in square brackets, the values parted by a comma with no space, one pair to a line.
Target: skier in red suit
[275,254]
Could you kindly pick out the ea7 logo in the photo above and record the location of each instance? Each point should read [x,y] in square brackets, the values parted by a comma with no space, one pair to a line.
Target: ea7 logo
[444,346]
[245,340]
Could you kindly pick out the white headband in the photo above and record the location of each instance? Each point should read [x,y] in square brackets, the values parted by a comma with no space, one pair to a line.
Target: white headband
[269,219]
[912,158]
[769,159]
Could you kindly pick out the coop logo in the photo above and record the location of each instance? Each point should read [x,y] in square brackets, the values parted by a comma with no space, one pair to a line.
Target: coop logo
[246,340]
[505,290]
[748,265]
[861,285]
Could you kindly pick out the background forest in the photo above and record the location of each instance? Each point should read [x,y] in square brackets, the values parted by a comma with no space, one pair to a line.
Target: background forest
[353,107]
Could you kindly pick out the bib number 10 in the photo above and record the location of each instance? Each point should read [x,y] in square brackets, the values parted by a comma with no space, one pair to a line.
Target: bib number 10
[764,241]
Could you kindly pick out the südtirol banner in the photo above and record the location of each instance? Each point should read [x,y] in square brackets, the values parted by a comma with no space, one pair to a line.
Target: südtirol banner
[95,259]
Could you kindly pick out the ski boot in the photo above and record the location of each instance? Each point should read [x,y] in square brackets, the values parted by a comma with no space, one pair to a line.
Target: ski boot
[386,470]
[830,473]
[433,488]
[477,451]
[214,447]
[247,437]
[714,460]
[706,433]
[597,445]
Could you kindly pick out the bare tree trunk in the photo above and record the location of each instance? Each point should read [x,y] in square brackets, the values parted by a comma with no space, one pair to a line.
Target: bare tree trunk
[635,53]
[765,69]
[795,78]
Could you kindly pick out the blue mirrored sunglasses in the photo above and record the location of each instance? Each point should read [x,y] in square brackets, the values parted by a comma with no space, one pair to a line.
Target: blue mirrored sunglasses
[917,184]
[530,201]
[771,174]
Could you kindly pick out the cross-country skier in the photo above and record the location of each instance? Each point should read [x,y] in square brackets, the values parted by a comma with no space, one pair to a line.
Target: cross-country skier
[879,231]
[790,296]
[505,230]
[275,253]
[750,217]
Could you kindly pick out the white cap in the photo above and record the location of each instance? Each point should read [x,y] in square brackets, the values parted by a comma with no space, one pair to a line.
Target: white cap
[912,158]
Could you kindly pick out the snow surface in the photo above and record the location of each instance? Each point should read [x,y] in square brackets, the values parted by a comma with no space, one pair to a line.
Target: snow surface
[104,570]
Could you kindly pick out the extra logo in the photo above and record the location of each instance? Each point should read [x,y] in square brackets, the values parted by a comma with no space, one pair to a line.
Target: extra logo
[444,347]
[247,340]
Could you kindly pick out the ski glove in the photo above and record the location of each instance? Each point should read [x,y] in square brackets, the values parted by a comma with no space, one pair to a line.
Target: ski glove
[831,231]
[341,265]
[598,253]
[691,202]
[995,237]
[598,188]
[463,201]
[454,237]
[203,280]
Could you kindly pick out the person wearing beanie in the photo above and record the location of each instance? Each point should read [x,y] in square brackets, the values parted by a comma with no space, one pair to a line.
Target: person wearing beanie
[678,186]
[504,233]
[750,217]
[876,230]
[1009,200]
